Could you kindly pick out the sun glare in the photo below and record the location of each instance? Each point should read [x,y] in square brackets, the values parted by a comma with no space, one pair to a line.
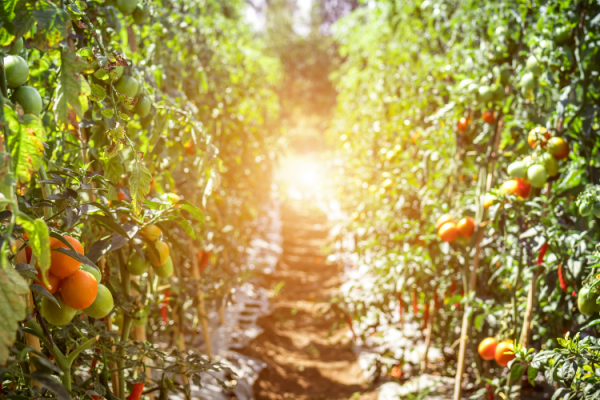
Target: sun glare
[302,176]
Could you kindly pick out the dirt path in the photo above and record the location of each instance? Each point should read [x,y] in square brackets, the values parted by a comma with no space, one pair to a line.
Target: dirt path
[307,359]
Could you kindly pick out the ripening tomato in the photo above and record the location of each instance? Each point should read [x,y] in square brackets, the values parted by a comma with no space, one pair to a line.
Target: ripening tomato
[558,148]
[466,227]
[488,117]
[538,136]
[448,232]
[463,124]
[487,348]
[442,220]
[489,200]
[504,353]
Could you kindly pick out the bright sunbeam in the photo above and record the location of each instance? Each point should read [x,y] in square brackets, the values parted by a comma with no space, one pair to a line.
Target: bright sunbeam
[302,176]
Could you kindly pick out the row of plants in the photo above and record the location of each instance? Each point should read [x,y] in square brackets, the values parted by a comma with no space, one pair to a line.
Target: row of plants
[466,141]
[138,140]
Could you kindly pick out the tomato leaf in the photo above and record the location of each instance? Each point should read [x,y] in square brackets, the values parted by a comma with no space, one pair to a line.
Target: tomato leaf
[139,185]
[39,241]
[72,90]
[25,142]
[13,289]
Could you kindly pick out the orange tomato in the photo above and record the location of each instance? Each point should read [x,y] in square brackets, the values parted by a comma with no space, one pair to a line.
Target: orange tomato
[190,149]
[151,232]
[517,187]
[487,348]
[488,117]
[79,290]
[500,353]
[463,124]
[53,282]
[163,254]
[448,232]
[558,148]
[538,136]
[442,220]
[466,227]
[62,265]
[121,196]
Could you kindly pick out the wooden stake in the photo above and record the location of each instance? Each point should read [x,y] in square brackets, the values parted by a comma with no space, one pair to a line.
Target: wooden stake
[428,336]
[526,331]
[202,314]
[466,323]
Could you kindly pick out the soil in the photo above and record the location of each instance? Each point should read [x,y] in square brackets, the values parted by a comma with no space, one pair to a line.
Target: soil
[309,355]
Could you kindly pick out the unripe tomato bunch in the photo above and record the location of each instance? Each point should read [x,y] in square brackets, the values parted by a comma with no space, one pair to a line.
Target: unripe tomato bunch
[74,286]
[158,258]
[17,74]
[534,170]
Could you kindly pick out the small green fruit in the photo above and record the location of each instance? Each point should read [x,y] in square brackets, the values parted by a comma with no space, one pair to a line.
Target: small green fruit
[596,210]
[28,98]
[57,315]
[103,304]
[550,164]
[141,14]
[119,71]
[136,265]
[585,209]
[537,175]
[485,94]
[94,271]
[518,169]
[165,270]
[533,65]
[143,106]
[586,302]
[127,86]
[17,71]
[16,47]
[127,6]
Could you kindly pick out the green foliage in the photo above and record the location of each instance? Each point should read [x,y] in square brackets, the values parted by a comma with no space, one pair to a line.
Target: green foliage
[404,157]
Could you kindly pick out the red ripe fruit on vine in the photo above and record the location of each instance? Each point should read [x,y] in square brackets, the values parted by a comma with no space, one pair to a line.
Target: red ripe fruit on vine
[463,124]
[448,232]
[488,117]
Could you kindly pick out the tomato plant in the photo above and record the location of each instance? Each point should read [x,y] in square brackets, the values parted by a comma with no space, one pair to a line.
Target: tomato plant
[134,133]
[502,97]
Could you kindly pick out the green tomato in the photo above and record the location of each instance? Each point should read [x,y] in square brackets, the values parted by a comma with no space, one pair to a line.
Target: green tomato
[596,210]
[518,169]
[136,265]
[57,315]
[550,164]
[499,93]
[528,82]
[119,71]
[141,14]
[586,302]
[127,86]
[562,35]
[485,94]
[94,271]
[585,208]
[533,65]
[143,106]
[537,175]
[17,71]
[16,47]
[28,98]
[165,270]
[103,304]
[141,318]
[127,6]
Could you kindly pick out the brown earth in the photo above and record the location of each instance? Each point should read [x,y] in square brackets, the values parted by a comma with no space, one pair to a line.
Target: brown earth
[307,350]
